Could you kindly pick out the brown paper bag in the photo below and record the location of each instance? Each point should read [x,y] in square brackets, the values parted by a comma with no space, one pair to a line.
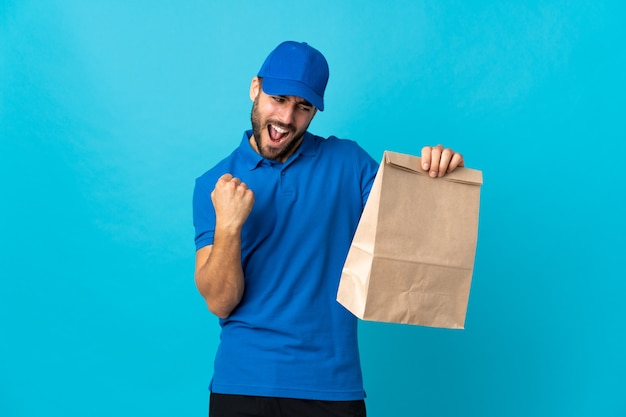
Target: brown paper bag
[412,256]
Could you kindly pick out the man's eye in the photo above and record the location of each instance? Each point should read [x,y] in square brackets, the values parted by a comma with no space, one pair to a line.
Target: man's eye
[278,99]
[305,108]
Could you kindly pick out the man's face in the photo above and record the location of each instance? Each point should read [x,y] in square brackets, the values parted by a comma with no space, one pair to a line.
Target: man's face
[278,122]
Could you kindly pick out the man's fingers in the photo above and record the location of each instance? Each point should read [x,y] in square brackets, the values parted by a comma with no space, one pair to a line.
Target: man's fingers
[225,178]
[456,161]
[435,160]
[228,187]
[426,151]
[232,200]
[446,158]
[431,157]
[438,160]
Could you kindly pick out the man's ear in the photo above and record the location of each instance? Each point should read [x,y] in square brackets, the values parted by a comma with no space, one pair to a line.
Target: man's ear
[255,87]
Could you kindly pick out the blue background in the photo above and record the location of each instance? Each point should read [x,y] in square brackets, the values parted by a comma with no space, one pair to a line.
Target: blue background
[109,110]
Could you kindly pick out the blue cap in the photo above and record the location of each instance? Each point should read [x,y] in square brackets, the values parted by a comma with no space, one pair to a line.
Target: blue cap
[296,69]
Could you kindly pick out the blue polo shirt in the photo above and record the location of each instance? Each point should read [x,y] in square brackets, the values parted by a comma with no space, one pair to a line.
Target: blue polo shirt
[289,337]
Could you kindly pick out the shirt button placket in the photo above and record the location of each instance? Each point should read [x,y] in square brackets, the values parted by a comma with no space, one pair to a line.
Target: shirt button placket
[286,188]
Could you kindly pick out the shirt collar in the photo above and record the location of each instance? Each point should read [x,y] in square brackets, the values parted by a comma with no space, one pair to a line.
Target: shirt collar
[249,155]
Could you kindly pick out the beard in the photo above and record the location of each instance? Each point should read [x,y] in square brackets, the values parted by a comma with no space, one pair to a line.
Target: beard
[269,153]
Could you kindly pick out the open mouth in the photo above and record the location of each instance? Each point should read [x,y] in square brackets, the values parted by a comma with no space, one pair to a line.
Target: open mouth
[277,133]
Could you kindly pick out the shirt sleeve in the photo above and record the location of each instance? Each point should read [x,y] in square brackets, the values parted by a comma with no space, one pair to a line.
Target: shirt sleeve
[203,215]
[368,170]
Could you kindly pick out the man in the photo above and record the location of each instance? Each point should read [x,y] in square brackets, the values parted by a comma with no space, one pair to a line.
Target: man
[274,222]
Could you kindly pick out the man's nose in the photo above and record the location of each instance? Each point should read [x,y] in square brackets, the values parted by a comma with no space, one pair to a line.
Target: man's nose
[287,113]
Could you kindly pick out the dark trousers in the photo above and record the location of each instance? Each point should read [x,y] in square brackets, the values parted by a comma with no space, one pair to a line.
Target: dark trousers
[226,405]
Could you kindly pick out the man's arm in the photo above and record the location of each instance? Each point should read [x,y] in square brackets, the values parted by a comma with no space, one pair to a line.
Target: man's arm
[219,274]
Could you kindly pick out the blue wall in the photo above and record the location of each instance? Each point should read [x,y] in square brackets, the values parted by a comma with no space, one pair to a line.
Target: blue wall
[109,110]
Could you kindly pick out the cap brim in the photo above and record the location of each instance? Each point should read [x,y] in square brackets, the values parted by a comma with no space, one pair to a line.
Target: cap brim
[278,87]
